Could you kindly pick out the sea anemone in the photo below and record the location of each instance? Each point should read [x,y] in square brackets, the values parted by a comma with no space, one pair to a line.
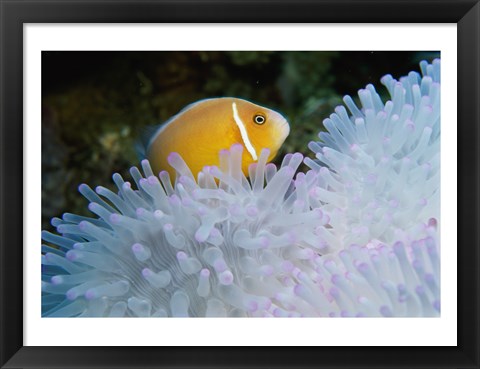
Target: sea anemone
[382,165]
[356,235]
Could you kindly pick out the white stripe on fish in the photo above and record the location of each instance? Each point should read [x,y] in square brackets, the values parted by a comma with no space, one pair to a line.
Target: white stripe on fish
[243,132]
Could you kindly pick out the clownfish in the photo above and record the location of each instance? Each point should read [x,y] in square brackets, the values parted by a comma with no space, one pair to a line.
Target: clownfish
[202,129]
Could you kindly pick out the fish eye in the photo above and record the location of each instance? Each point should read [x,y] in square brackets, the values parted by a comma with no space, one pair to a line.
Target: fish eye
[259,119]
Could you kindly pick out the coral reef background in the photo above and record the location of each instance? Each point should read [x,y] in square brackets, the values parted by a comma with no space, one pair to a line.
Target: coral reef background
[96,103]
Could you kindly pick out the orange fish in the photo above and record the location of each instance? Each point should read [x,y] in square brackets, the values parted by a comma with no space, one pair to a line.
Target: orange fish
[202,129]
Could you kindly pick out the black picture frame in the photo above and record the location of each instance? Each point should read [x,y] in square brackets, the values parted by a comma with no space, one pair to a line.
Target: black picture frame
[15,13]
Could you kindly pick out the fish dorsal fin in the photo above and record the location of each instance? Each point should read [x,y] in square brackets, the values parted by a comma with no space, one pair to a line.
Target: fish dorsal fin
[151,132]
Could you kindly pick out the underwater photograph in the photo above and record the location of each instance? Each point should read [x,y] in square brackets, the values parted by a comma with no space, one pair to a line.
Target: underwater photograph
[240,184]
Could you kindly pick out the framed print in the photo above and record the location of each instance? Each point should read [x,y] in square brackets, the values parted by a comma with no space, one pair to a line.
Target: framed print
[310,197]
